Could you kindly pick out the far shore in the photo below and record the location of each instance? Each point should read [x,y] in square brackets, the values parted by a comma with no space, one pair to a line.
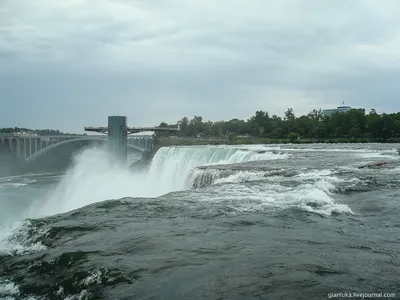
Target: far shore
[267,141]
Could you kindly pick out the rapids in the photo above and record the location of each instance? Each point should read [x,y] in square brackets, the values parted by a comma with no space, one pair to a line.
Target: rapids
[244,222]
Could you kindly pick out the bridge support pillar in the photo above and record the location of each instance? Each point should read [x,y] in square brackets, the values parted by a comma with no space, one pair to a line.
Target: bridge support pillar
[18,150]
[22,148]
[30,147]
[11,145]
[118,137]
[26,150]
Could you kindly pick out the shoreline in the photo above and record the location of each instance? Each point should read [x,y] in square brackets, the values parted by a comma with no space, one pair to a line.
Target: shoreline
[265,141]
[178,142]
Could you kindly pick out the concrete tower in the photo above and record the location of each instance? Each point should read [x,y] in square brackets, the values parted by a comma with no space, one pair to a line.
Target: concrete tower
[117,137]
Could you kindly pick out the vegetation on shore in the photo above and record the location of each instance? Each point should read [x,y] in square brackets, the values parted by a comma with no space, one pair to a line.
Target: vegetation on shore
[354,126]
[163,142]
[37,131]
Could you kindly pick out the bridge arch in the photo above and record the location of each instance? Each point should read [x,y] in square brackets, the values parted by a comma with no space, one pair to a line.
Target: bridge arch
[50,147]
[85,138]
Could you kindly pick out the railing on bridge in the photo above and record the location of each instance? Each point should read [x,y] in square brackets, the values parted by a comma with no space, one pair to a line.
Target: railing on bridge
[97,129]
[131,130]
[21,134]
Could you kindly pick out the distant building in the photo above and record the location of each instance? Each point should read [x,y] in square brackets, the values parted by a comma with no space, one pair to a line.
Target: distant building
[339,109]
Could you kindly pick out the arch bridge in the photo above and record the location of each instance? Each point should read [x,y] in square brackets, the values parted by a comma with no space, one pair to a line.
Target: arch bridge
[28,147]
[118,135]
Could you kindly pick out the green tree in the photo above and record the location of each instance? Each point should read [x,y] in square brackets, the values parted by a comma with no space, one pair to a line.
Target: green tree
[293,136]
[184,126]
[290,119]
[305,126]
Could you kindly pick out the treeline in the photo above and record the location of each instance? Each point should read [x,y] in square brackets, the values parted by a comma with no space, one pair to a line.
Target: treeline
[354,124]
[37,131]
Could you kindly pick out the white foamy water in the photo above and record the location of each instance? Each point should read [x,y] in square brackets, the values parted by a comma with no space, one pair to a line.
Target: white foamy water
[8,181]
[96,177]
[18,239]
[10,291]
[171,167]
[313,192]
[242,176]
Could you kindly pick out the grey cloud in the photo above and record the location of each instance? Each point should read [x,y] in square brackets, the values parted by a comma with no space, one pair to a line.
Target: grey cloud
[156,61]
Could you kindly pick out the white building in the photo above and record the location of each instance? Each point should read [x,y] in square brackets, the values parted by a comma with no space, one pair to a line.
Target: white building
[339,109]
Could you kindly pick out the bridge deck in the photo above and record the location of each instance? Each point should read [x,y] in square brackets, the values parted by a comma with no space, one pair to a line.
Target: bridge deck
[29,146]
[131,129]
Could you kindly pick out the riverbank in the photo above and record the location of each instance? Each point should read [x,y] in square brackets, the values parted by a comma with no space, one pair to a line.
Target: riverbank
[173,141]
[313,141]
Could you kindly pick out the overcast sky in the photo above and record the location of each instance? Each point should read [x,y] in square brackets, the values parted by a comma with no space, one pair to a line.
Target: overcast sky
[70,64]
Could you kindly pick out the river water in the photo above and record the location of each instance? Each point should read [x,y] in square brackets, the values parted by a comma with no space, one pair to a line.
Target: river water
[210,222]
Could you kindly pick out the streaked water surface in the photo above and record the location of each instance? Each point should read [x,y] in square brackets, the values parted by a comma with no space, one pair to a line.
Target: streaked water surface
[209,222]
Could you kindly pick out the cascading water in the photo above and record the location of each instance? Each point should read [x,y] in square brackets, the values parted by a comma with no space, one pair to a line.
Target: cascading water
[200,178]
[226,193]
[172,166]
[96,177]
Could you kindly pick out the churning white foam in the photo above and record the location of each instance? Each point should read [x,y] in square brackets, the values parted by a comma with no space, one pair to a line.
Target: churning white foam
[311,190]
[10,291]
[15,181]
[19,239]
[95,176]
[174,165]
[316,196]
[242,176]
